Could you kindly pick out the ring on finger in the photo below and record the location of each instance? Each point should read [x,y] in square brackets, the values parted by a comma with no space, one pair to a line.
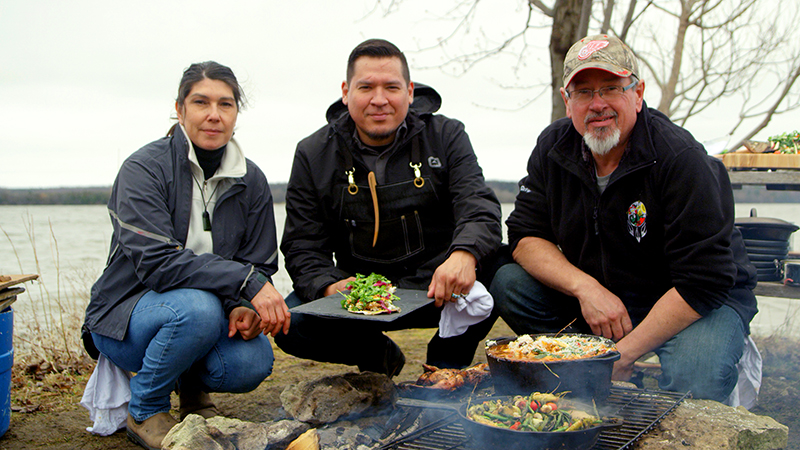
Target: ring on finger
[457,296]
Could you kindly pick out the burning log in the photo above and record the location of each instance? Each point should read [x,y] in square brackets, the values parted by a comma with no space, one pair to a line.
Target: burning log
[307,441]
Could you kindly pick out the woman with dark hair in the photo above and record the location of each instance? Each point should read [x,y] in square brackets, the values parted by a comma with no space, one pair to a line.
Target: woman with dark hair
[185,300]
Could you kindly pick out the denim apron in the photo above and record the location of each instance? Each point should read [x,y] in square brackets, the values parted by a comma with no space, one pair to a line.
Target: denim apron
[415,227]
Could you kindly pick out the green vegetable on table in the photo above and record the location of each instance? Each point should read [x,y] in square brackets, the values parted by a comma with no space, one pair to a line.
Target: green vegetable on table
[786,143]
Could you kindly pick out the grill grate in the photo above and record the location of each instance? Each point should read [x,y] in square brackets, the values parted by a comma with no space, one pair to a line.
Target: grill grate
[640,409]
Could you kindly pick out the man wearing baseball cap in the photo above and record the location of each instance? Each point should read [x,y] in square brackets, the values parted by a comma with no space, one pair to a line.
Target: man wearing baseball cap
[623,228]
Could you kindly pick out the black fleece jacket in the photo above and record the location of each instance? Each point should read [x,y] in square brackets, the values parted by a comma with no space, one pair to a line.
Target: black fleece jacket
[686,240]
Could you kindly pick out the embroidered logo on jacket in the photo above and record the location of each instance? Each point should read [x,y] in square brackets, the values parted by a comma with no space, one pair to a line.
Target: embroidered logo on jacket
[637,220]
[434,162]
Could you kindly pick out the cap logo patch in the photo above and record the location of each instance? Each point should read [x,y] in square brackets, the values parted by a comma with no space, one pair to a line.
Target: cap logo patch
[590,48]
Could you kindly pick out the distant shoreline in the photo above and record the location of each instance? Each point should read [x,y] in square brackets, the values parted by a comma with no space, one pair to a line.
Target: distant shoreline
[506,192]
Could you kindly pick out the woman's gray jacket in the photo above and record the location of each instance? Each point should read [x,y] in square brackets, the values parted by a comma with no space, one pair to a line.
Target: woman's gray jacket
[150,207]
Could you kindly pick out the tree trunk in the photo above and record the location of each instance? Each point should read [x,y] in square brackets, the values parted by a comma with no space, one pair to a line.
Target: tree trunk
[566,24]
[668,90]
[586,15]
[607,14]
[626,25]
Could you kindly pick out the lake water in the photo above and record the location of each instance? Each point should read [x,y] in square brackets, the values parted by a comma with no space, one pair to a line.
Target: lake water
[68,245]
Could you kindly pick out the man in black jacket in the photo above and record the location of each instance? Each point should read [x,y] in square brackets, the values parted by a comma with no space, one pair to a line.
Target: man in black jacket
[391,188]
[625,225]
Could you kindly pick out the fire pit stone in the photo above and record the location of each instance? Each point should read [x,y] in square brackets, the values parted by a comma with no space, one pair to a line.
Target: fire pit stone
[329,399]
[197,433]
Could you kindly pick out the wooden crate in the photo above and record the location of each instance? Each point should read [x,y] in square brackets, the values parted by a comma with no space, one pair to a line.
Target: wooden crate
[761,160]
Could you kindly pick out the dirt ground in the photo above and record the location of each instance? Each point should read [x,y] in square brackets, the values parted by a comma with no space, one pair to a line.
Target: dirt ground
[46,414]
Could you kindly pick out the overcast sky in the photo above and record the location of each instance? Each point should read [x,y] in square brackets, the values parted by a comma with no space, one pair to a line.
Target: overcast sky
[85,83]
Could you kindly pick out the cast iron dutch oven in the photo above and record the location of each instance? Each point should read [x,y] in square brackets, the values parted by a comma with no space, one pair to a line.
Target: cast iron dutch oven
[587,378]
[487,436]
[764,228]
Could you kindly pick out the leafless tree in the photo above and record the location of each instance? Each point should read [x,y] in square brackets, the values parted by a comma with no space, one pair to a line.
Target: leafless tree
[721,52]
[695,53]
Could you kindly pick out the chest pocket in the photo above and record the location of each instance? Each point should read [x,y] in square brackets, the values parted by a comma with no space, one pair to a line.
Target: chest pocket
[403,228]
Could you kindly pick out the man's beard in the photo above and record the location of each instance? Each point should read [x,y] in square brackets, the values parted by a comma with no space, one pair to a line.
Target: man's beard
[600,145]
[380,136]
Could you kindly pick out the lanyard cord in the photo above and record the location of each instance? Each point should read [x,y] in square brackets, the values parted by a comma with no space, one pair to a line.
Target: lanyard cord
[206,216]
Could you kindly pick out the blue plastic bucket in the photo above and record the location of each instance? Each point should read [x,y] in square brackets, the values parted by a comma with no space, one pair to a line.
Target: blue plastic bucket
[6,362]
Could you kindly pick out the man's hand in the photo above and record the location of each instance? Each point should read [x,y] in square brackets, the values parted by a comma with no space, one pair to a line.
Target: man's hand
[605,313]
[245,321]
[455,276]
[623,369]
[338,286]
[669,316]
[274,313]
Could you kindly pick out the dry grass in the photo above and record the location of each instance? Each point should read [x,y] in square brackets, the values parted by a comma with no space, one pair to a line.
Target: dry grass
[50,365]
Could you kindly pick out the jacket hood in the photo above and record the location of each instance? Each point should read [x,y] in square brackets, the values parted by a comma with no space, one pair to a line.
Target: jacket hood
[426,101]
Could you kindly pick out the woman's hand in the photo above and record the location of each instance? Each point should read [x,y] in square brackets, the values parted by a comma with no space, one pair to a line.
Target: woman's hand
[245,321]
[275,315]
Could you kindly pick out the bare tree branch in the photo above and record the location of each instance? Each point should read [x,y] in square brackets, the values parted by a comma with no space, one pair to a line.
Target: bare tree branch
[608,12]
[694,53]
[773,110]
[546,10]
[583,25]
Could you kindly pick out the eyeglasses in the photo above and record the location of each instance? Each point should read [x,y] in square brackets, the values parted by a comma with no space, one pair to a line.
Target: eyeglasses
[608,93]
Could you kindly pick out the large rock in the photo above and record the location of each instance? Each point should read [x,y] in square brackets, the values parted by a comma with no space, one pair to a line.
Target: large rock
[328,399]
[706,424]
[221,433]
[193,434]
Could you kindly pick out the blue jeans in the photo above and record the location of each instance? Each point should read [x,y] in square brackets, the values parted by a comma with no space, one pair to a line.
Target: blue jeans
[702,358]
[181,337]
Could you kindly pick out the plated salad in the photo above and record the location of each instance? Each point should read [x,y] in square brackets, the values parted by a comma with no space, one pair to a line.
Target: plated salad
[370,295]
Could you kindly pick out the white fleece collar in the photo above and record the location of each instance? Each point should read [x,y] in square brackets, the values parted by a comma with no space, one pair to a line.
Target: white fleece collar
[233,164]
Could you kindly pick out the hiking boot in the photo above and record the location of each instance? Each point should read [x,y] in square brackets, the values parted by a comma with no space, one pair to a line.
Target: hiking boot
[390,365]
[150,432]
[395,359]
[197,402]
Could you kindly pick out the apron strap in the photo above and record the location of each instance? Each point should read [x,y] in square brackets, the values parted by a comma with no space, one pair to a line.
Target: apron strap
[350,169]
[418,180]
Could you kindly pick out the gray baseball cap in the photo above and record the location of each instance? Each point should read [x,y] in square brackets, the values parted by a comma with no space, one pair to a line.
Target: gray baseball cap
[603,52]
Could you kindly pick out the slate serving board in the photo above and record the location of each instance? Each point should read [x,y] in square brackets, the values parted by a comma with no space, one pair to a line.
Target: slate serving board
[331,306]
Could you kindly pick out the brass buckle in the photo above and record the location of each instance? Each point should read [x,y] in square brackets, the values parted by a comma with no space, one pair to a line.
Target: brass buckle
[418,180]
[352,188]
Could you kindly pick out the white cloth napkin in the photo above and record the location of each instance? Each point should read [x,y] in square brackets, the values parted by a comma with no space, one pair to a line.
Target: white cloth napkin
[457,316]
[745,393]
[106,396]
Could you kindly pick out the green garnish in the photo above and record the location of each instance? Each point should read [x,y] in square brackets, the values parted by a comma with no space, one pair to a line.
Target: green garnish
[373,293]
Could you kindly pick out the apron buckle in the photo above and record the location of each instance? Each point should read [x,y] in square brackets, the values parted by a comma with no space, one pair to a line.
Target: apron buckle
[418,180]
[352,188]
